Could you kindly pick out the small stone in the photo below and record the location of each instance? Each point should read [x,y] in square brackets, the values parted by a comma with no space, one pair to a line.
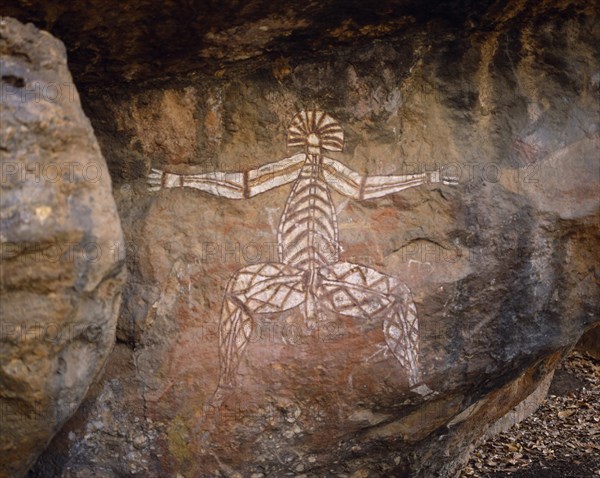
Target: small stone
[139,441]
[97,425]
[362,473]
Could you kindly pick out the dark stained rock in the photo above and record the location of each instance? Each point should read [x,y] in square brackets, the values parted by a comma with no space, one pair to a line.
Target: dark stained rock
[60,275]
[115,41]
[502,267]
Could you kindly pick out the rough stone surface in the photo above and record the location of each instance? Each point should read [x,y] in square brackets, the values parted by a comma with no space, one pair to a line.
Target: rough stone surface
[60,281]
[117,41]
[525,408]
[503,268]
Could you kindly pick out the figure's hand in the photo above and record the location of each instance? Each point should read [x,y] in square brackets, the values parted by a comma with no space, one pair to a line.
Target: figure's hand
[434,176]
[449,180]
[442,177]
[154,180]
[158,179]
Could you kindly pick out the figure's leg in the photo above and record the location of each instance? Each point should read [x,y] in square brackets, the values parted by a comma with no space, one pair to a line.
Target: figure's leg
[256,289]
[401,331]
[235,330]
[359,291]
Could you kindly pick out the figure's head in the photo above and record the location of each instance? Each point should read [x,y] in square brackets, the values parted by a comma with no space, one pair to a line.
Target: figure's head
[315,131]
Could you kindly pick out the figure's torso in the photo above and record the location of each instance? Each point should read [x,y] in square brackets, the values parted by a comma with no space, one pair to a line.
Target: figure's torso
[308,230]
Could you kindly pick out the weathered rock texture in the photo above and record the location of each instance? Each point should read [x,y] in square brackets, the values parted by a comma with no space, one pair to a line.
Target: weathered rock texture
[503,268]
[60,277]
[114,41]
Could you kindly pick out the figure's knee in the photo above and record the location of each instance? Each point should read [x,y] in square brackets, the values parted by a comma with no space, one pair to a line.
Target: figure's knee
[249,275]
[402,293]
[240,279]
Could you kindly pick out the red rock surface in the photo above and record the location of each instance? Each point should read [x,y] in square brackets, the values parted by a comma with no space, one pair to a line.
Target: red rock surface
[502,267]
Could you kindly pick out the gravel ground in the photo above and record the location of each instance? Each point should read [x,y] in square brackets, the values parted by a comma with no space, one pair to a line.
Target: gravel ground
[560,440]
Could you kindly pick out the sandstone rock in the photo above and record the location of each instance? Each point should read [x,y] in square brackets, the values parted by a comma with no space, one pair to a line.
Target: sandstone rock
[502,268]
[61,277]
[109,41]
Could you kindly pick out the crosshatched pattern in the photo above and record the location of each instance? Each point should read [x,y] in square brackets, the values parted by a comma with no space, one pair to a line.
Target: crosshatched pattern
[309,275]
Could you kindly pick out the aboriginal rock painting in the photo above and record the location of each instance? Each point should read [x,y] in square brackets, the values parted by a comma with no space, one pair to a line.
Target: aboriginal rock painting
[309,274]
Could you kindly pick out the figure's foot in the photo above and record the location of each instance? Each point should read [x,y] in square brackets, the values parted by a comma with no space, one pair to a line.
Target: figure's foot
[207,417]
[381,353]
[219,395]
[423,390]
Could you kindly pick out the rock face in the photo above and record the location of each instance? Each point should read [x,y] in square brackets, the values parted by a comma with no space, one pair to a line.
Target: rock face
[501,268]
[60,280]
[116,42]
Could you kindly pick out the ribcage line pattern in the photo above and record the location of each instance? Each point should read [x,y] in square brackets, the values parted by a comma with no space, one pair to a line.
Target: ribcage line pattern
[308,231]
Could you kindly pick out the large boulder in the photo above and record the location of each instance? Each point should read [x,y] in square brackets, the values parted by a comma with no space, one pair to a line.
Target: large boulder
[502,267]
[62,268]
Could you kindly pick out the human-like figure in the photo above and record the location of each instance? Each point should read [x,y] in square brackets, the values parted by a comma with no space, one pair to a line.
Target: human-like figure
[309,274]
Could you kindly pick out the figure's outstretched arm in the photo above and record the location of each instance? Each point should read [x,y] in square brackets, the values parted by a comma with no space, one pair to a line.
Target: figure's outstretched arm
[349,183]
[233,185]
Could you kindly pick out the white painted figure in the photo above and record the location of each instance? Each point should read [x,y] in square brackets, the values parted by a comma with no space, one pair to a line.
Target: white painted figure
[309,274]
